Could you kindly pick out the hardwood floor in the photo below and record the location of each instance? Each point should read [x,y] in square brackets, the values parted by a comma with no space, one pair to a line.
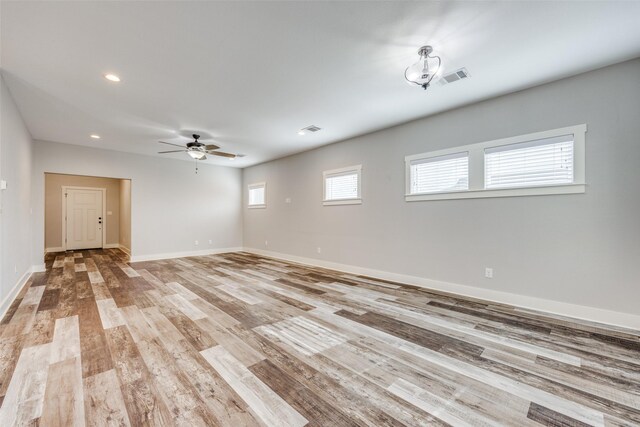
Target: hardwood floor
[240,340]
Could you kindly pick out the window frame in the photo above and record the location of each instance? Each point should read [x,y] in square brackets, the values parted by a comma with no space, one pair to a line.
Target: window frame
[477,162]
[255,185]
[357,169]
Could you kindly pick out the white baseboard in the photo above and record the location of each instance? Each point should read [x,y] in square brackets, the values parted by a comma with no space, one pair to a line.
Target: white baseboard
[125,249]
[38,268]
[591,314]
[151,257]
[111,246]
[13,293]
[54,249]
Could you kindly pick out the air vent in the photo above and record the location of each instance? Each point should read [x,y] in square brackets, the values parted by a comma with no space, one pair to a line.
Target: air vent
[312,128]
[460,74]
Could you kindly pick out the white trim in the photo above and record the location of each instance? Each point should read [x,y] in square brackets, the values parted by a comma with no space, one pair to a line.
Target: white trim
[476,168]
[337,172]
[170,255]
[39,268]
[342,202]
[580,312]
[64,213]
[110,246]
[15,291]
[54,249]
[254,186]
[503,192]
[125,249]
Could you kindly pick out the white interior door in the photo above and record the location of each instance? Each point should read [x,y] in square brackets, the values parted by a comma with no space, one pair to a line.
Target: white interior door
[84,219]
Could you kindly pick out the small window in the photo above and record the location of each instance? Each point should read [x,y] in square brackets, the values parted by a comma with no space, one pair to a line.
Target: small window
[440,174]
[342,186]
[530,164]
[257,195]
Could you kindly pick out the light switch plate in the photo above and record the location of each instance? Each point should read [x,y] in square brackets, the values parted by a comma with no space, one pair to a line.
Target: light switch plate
[109,213]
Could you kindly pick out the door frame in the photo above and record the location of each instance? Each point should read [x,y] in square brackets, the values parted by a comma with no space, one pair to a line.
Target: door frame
[64,212]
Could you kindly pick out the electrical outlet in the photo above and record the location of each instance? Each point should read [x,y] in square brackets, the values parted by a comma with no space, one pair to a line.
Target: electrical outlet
[15,269]
[287,200]
[488,273]
[319,250]
[210,242]
[266,243]
[197,243]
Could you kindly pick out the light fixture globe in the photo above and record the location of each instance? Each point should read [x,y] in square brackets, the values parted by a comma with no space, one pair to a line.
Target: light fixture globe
[196,154]
[425,70]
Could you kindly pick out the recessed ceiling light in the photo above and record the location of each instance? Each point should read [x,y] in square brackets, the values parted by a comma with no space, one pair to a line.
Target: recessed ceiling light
[94,136]
[301,132]
[112,77]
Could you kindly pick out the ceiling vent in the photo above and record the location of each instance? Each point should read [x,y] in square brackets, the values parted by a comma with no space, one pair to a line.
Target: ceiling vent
[460,74]
[312,128]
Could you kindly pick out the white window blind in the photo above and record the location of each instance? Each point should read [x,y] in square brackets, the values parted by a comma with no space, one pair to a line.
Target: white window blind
[257,194]
[536,163]
[341,186]
[440,174]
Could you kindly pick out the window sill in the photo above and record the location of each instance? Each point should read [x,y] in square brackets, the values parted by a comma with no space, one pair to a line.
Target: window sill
[502,192]
[257,206]
[342,202]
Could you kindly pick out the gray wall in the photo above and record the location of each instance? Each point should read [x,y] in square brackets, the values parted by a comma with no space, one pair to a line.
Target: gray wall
[15,201]
[171,206]
[580,249]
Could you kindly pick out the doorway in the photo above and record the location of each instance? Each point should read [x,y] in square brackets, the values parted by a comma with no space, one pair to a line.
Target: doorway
[87,212]
[82,216]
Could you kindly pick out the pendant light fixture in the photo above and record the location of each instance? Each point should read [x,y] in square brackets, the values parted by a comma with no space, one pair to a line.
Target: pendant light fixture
[423,72]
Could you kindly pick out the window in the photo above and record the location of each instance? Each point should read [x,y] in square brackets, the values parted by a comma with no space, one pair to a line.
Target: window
[440,173]
[342,186]
[530,164]
[549,162]
[257,195]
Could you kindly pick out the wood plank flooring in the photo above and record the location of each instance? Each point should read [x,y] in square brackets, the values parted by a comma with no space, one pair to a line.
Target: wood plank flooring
[241,340]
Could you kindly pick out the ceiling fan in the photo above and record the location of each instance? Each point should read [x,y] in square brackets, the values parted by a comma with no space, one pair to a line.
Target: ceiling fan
[197,150]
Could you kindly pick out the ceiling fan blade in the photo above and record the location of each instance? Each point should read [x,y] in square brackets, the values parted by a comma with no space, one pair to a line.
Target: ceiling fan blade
[211,147]
[169,143]
[172,151]
[222,154]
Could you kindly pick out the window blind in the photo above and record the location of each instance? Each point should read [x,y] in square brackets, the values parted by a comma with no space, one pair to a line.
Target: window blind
[342,186]
[440,174]
[530,164]
[256,195]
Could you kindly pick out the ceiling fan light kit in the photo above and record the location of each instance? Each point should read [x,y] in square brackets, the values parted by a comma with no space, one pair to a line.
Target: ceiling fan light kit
[196,154]
[425,70]
[198,150]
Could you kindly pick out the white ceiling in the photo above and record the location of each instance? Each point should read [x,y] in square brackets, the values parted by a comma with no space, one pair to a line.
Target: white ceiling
[251,74]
